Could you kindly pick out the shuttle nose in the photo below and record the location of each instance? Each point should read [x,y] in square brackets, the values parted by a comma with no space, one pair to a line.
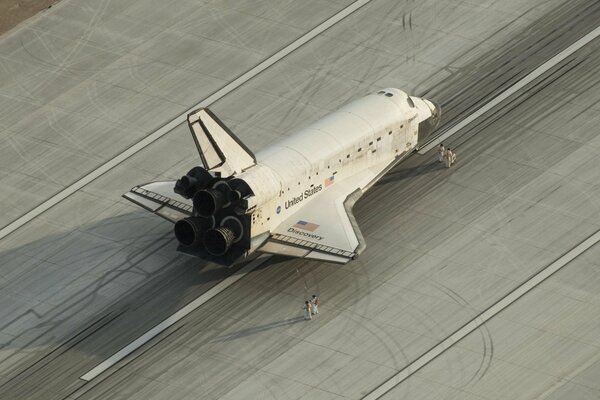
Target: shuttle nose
[436,113]
[429,125]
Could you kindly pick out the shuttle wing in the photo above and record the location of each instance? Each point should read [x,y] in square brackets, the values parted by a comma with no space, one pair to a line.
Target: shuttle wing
[325,229]
[159,198]
[220,150]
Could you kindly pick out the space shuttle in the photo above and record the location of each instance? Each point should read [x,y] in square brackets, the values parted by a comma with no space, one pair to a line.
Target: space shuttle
[294,198]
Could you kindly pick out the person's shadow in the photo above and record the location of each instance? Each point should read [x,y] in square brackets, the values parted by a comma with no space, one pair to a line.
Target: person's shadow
[257,329]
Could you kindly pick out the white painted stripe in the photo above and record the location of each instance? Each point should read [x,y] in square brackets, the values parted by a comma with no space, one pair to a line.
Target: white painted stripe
[513,89]
[482,318]
[152,333]
[110,164]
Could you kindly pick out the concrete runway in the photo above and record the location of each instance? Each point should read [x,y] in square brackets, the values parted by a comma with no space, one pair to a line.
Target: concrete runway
[85,80]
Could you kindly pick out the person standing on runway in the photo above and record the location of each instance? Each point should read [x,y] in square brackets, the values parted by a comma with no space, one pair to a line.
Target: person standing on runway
[307,310]
[441,153]
[452,157]
[315,304]
[448,158]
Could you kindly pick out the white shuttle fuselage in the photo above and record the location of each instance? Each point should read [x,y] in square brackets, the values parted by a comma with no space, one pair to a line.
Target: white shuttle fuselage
[294,197]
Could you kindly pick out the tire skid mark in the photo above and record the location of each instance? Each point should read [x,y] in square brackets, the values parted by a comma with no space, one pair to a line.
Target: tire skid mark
[486,336]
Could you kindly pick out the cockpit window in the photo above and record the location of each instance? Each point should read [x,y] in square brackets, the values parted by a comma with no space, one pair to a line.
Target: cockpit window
[410,102]
[389,94]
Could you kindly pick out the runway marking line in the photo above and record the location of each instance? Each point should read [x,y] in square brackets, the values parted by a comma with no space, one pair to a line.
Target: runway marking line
[514,88]
[160,132]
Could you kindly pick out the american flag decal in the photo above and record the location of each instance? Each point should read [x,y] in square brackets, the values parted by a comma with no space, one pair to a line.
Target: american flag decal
[307,226]
[329,181]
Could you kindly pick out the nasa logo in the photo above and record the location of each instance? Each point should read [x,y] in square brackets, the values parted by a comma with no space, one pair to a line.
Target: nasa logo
[278,209]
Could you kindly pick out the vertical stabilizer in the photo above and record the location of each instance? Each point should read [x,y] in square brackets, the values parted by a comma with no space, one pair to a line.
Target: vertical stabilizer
[220,150]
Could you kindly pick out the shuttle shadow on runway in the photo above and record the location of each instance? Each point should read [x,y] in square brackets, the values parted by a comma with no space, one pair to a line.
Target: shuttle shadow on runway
[405,171]
[94,289]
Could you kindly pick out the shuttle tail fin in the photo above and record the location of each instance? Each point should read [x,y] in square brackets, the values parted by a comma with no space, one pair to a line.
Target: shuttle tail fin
[220,150]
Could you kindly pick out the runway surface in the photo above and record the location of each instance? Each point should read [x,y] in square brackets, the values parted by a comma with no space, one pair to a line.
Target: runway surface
[84,81]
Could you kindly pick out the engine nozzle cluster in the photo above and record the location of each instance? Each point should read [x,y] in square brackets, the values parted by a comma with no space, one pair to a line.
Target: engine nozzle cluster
[214,225]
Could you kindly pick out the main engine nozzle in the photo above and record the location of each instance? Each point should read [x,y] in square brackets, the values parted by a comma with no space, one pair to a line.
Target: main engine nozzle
[217,241]
[196,178]
[191,231]
[208,202]
[186,186]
